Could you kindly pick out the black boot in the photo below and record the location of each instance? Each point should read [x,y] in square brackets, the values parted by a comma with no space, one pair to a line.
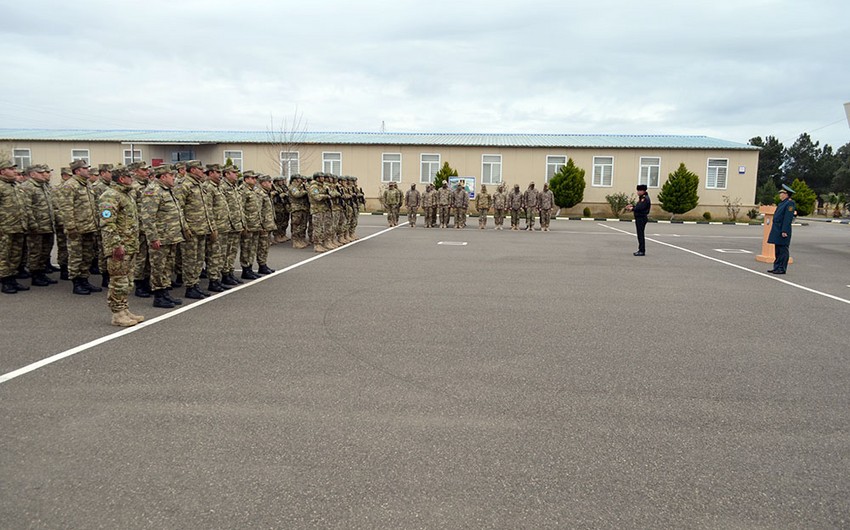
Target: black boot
[215,286]
[141,290]
[234,279]
[39,279]
[63,272]
[167,294]
[193,293]
[178,281]
[249,274]
[9,285]
[91,287]
[226,279]
[159,299]
[104,280]
[80,287]
[23,273]
[265,269]
[94,268]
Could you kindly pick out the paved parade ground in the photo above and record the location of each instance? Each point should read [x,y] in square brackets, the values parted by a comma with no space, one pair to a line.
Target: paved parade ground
[447,379]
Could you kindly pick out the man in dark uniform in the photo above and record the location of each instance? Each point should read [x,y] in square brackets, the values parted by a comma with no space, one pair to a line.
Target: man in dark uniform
[641,210]
[780,230]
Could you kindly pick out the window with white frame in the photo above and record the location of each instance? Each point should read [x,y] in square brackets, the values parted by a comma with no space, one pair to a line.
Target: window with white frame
[491,169]
[289,163]
[332,163]
[650,170]
[130,157]
[603,171]
[429,166]
[22,158]
[80,154]
[235,157]
[553,164]
[391,171]
[715,176]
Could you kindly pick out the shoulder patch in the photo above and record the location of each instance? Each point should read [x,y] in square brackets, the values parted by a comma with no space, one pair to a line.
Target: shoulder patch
[106,214]
[790,208]
[315,191]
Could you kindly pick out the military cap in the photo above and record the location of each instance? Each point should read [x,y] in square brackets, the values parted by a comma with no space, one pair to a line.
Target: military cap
[305,177]
[295,176]
[105,167]
[232,169]
[77,164]
[66,171]
[35,168]
[194,163]
[249,174]
[641,187]
[45,168]
[6,164]
[162,170]
[279,177]
[180,165]
[213,167]
[264,178]
[120,172]
[139,164]
[318,174]
[787,189]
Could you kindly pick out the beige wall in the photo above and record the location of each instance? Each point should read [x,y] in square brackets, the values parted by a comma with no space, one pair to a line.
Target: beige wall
[519,165]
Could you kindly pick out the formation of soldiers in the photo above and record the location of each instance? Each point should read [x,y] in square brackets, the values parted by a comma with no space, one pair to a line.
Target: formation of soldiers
[447,203]
[154,229]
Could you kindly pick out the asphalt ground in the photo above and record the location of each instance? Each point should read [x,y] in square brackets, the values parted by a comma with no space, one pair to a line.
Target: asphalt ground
[519,380]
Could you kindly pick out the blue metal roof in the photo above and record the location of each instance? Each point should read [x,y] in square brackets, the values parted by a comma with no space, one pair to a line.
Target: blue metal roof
[619,141]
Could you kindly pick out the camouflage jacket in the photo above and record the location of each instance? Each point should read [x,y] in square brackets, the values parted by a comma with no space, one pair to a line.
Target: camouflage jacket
[119,220]
[515,200]
[13,211]
[483,201]
[280,199]
[99,187]
[460,199]
[500,200]
[531,198]
[336,197]
[252,208]
[78,206]
[40,203]
[197,206]
[298,200]
[266,210]
[221,212]
[412,198]
[392,197]
[444,197]
[161,216]
[429,198]
[319,198]
[547,200]
[233,196]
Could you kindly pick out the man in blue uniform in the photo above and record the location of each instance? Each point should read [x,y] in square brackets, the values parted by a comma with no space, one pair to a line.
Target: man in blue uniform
[780,230]
[641,210]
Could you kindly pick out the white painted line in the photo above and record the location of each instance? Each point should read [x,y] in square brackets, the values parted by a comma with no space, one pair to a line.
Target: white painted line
[452,243]
[762,274]
[126,331]
[732,251]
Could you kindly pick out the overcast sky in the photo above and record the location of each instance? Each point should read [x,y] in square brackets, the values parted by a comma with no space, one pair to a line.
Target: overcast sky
[721,68]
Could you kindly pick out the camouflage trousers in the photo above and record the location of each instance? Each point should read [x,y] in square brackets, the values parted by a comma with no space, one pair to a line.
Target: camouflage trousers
[40,246]
[230,242]
[11,253]
[299,224]
[355,218]
[263,243]
[143,262]
[281,221]
[98,252]
[514,218]
[214,257]
[333,231]
[392,214]
[411,216]
[460,217]
[348,226]
[318,225]
[81,252]
[194,249]
[445,215]
[309,226]
[430,216]
[342,223]
[162,265]
[482,219]
[499,216]
[248,249]
[61,245]
[529,217]
[120,281]
[545,217]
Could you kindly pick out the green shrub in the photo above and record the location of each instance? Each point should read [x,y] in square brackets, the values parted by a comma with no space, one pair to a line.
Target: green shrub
[706,216]
[586,212]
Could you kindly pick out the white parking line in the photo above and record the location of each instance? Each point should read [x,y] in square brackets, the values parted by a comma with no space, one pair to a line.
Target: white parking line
[763,274]
[126,331]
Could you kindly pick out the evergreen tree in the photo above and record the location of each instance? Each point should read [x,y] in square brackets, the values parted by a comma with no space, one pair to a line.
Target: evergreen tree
[679,193]
[766,193]
[567,185]
[771,157]
[841,177]
[806,162]
[443,175]
[804,197]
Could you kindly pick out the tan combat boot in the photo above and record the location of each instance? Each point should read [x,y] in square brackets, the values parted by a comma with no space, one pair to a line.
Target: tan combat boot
[133,316]
[121,319]
[329,243]
[319,248]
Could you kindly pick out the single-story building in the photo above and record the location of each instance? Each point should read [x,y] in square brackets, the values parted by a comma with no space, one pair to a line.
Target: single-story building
[613,163]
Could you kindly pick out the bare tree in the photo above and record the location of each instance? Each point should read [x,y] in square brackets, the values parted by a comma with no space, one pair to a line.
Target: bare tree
[287,147]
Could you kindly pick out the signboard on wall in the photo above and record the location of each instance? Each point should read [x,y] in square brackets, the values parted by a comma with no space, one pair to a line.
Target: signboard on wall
[468,184]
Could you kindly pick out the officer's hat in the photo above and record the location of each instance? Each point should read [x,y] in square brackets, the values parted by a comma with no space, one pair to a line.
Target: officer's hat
[79,164]
[6,164]
[264,178]
[786,188]
[105,167]
[193,163]
[162,170]
[213,167]
[641,187]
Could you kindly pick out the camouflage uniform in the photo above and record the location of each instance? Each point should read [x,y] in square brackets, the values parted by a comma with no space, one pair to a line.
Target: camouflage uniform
[460,202]
[163,222]
[143,263]
[429,205]
[42,224]
[14,222]
[215,251]
[336,214]
[282,208]
[252,205]
[392,202]
[515,205]
[444,204]
[267,224]
[500,204]
[358,200]
[120,229]
[200,221]
[531,202]
[320,210]
[300,211]
[232,237]
[61,238]
[98,187]
[546,205]
[482,205]
[348,198]
[80,215]
[412,199]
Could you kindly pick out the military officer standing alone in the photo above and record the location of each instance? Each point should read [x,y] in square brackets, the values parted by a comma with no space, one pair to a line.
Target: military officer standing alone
[641,210]
[780,230]
[120,234]
[412,199]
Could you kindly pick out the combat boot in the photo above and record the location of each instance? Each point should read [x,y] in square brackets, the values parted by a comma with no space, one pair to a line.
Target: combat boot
[121,319]
[39,279]
[249,274]
[141,289]
[167,295]
[159,299]
[265,269]
[299,243]
[226,280]
[23,273]
[63,273]
[133,316]
[232,280]
[90,287]
[215,287]
[8,285]
[319,248]
[80,287]
[194,293]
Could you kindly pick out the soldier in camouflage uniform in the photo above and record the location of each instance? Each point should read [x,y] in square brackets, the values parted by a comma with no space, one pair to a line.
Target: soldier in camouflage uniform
[482,205]
[252,205]
[460,202]
[300,205]
[412,200]
[358,202]
[14,223]
[267,224]
[429,201]
[500,204]
[282,208]
[531,203]
[200,222]
[119,228]
[232,237]
[61,238]
[444,204]
[80,215]
[336,212]
[163,222]
[100,185]
[515,205]
[140,172]
[215,252]
[392,198]
[42,222]
[179,177]
[546,205]
[320,210]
